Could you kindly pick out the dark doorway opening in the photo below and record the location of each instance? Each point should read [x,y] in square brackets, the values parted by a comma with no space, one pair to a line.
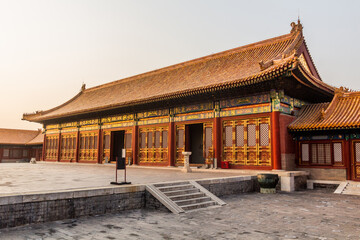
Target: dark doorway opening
[196,143]
[117,144]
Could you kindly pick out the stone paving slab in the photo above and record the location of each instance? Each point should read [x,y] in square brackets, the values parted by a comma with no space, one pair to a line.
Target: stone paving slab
[21,178]
[312,214]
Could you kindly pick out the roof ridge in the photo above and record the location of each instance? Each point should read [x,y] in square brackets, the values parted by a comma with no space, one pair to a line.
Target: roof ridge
[311,59]
[330,109]
[197,60]
[39,133]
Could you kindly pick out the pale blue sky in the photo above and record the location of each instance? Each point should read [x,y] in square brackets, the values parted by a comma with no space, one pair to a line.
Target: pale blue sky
[49,48]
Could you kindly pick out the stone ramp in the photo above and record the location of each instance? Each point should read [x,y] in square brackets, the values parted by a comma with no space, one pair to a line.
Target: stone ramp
[348,187]
[183,196]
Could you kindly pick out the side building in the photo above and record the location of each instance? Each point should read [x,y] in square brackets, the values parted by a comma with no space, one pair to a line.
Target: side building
[20,145]
[328,137]
[231,108]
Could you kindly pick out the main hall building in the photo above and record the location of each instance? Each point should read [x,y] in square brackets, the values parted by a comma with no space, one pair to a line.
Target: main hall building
[231,107]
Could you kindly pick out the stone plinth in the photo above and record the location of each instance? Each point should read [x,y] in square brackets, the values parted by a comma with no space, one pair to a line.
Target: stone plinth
[186,168]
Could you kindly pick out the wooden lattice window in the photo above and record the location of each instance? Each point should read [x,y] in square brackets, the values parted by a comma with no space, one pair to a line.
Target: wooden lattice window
[321,153]
[51,147]
[337,148]
[313,151]
[16,153]
[143,140]
[82,143]
[128,140]
[264,134]
[251,131]
[88,146]
[150,140]
[96,141]
[6,152]
[165,139]
[324,152]
[157,139]
[68,146]
[240,136]
[228,136]
[180,142]
[25,153]
[247,141]
[107,141]
[153,144]
[305,152]
[357,152]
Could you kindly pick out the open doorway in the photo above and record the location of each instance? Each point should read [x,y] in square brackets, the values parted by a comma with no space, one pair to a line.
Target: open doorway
[118,144]
[195,144]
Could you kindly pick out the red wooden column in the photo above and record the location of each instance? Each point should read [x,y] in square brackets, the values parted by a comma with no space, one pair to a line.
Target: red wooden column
[134,144]
[44,148]
[1,154]
[217,140]
[99,145]
[77,146]
[171,144]
[348,159]
[275,140]
[59,147]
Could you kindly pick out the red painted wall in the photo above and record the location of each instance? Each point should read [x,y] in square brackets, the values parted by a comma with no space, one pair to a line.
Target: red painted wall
[287,143]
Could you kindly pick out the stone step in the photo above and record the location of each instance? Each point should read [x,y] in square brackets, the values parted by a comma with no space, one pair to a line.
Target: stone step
[187,196]
[192,201]
[170,184]
[198,205]
[180,197]
[349,188]
[175,188]
[181,192]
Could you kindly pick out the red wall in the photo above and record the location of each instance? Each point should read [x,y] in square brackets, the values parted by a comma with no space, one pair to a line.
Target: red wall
[287,143]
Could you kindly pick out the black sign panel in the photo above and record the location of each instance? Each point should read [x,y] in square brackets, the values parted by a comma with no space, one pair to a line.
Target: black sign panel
[120,164]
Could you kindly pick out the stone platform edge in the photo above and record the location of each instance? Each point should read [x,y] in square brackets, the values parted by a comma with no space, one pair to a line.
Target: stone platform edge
[67,194]
[100,191]
[29,208]
[109,190]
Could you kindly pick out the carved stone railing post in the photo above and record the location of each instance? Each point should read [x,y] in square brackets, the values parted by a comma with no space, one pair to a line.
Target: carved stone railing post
[186,168]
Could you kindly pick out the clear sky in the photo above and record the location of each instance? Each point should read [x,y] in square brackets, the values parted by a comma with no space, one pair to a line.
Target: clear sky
[48,48]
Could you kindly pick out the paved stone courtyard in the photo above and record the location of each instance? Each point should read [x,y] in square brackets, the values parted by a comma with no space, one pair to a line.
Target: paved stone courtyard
[18,178]
[312,214]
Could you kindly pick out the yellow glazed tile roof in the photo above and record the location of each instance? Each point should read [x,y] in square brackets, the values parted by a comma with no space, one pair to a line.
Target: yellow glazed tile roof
[19,136]
[343,112]
[236,67]
[39,139]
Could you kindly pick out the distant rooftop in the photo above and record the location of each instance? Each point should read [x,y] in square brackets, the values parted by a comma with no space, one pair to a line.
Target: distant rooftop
[20,137]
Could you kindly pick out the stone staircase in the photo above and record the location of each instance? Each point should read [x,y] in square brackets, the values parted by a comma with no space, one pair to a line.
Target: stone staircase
[184,196]
[348,187]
